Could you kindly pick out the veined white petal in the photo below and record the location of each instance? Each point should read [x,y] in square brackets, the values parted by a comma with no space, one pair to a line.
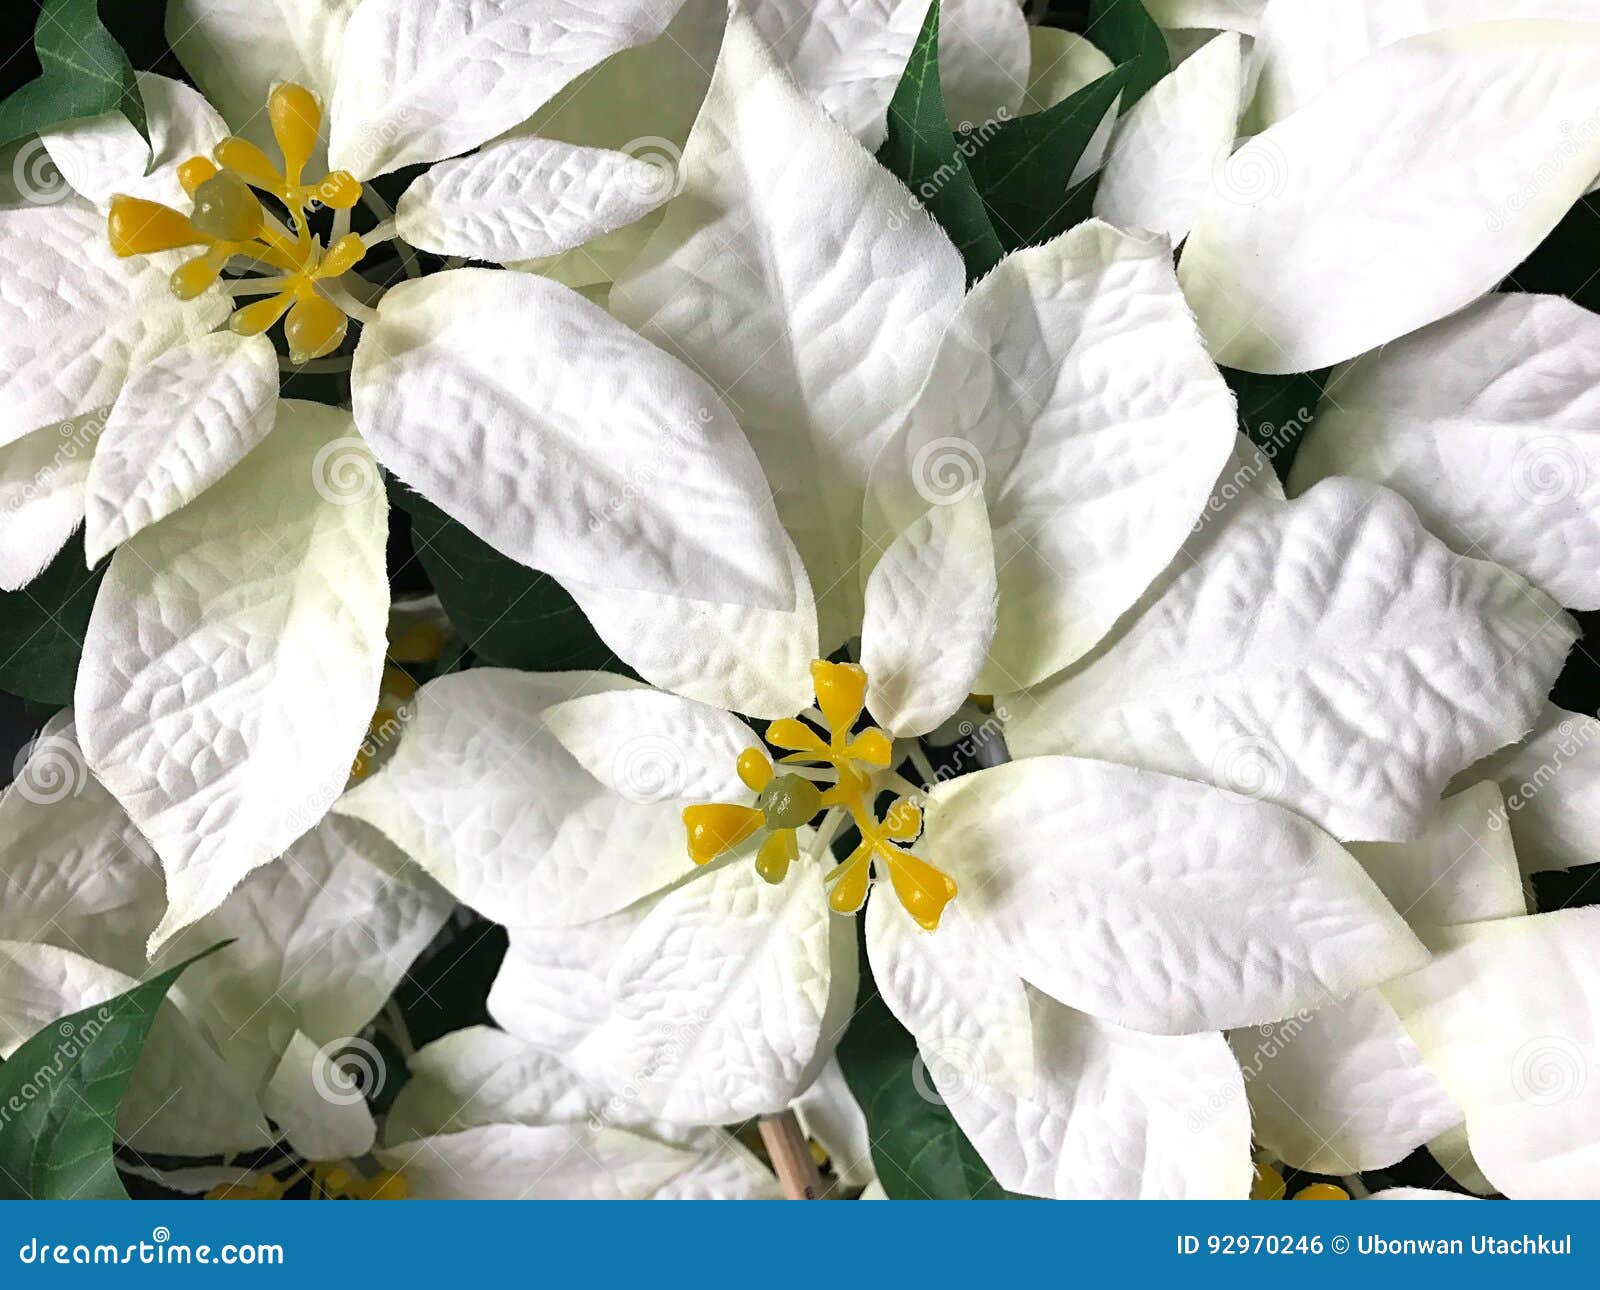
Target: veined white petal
[321,1111]
[42,478]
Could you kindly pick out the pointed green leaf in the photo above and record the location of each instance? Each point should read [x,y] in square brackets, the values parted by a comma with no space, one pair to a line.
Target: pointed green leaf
[922,151]
[1125,32]
[60,1092]
[84,72]
[1022,166]
[42,627]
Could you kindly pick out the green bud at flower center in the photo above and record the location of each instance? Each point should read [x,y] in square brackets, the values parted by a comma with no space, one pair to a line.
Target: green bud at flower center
[789,801]
[226,209]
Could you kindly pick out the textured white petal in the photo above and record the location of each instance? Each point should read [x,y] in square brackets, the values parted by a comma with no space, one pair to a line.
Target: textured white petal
[1073,390]
[522,198]
[104,155]
[1489,424]
[1454,1156]
[929,617]
[484,797]
[424,79]
[1508,1015]
[42,479]
[648,747]
[181,1099]
[1304,45]
[1061,62]
[237,50]
[1341,1089]
[1417,1193]
[232,661]
[1551,782]
[319,1108]
[701,1006]
[1159,903]
[1113,1114]
[75,320]
[814,308]
[1165,151]
[179,425]
[1411,187]
[564,440]
[983,57]
[1210,15]
[1327,654]
[830,1115]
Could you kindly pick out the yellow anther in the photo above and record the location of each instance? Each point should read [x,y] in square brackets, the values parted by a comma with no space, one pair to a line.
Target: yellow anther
[1267,1184]
[314,327]
[296,117]
[777,853]
[254,319]
[249,163]
[194,172]
[819,1153]
[139,227]
[265,1187]
[194,276]
[841,693]
[342,256]
[755,769]
[789,732]
[903,821]
[226,209]
[381,718]
[1322,1191]
[338,190]
[923,889]
[848,881]
[871,746]
[718,827]
[398,683]
[419,643]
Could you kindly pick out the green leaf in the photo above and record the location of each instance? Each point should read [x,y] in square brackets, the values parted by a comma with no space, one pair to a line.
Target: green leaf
[1022,166]
[42,628]
[507,613]
[918,1149]
[84,72]
[1125,32]
[60,1092]
[1276,411]
[921,150]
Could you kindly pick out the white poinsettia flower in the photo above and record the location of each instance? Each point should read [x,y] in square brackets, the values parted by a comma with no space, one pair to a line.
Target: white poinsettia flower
[259,1030]
[484,1116]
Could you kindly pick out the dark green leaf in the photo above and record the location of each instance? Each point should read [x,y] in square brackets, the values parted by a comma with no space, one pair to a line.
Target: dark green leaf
[1126,33]
[449,991]
[507,613]
[84,72]
[1276,411]
[917,1148]
[1567,262]
[1022,166]
[42,627]
[60,1092]
[922,152]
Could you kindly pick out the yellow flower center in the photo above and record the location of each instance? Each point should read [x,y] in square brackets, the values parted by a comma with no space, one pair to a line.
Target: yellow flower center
[330,1180]
[229,221]
[840,772]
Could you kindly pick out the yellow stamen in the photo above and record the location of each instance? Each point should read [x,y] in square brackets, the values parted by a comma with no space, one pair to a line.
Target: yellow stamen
[717,827]
[849,881]
[249,163]
[315,326]
[1267,1184]
[1322,1191]
[139,227]
[923,889]
[841,693]
[194,172]
[342,256]
[296,117]
[777,853]
[903,821]
[254,319]
[755,771]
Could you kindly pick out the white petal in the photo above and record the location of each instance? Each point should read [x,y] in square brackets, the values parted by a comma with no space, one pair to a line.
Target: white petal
[650,747]
[320,1109]
[104,155]
[484,797]
[983,58]
[1409,188]
[1462,869]
[1159,903]
[1327,654]
[814,308]
[1417,1193]
[1061,63]
[42,479]
[237,50]
[522,198]
[1508,1015]
[1062,352]
[75,320]
[564,440]
[1166,149]
[1211,15]
[830,1115]
[1551,782]
[1489,424]
[929,620]
[702,1006]
[232,661]
[1454,1156]
[179,425]
[181,1099]
[424,79]
[1341,1089]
